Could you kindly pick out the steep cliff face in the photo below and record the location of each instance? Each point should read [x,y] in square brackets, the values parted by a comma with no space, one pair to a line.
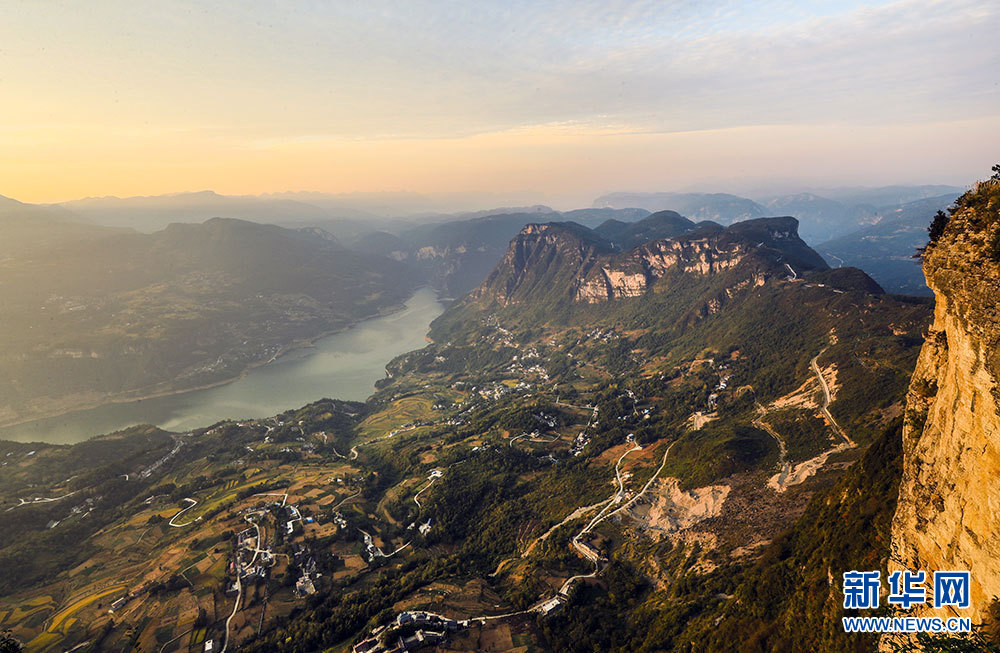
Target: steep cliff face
[541,258]
[631,274]
[948,515]
[567,261]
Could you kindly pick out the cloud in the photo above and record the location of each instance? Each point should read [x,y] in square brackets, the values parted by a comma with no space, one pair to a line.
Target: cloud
[455,69]
[447,93]
[446,69]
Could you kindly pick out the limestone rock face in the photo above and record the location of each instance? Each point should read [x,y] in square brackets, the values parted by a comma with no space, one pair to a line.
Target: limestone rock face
[540,257]
[948,515]
[565,261]
[629,275]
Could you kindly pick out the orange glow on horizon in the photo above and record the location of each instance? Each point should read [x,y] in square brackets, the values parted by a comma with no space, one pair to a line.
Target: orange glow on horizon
[62,163]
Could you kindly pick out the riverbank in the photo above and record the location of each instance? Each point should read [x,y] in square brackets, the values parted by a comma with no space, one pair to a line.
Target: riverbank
[369,345]
[144,395]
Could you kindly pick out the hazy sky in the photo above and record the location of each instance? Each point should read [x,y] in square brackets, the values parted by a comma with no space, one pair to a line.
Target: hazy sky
[568,98]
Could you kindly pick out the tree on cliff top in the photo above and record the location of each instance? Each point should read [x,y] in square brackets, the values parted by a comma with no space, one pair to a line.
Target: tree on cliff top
[936,230]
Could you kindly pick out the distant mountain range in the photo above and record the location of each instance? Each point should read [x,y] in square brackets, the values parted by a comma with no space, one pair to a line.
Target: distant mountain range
[885,250]
[823,214]
[455,252]
[347,215]
[148,214]
[718,207]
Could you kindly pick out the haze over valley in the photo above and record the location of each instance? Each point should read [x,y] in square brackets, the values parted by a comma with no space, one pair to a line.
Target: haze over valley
[502,326]
[123,304]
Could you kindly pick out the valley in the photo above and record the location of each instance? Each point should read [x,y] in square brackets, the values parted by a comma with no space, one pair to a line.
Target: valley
[344,365]
[122,316]
[434,327]
[511,477]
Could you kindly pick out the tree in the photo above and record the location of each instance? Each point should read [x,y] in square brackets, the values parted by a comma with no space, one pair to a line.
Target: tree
[9,643]
[984,638]
[938,224]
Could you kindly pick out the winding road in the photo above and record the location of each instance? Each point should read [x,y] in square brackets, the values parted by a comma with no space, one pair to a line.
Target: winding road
[649,483]
[826,400]
[39,500]
[789,475]
[193,503]
[415,500]
[615,498]
[346,499]
[780,480]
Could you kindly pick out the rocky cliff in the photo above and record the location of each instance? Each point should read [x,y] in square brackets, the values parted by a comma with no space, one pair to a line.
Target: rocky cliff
[948,515]
[631,274]
[567,261]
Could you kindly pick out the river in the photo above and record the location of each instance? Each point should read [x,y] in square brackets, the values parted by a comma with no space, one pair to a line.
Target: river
[344,365]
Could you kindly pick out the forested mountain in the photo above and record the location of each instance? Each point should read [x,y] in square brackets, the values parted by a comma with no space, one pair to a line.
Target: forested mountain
[456,255]
[626,235]
[92,314]
[561,261]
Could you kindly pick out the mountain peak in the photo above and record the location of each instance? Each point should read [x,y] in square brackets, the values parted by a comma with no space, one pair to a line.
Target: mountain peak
[563,261]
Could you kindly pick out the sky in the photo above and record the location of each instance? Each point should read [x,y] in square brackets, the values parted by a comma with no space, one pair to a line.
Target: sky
[561,99]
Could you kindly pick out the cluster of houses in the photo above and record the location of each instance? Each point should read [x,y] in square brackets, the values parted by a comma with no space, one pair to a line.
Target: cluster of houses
[602,335]
[411,631]
[370,548]
[146,473]
[428,620]
[520,368]
[713,398]
[546,419]
[492,392]
[502,335]
[246,545]
[123,601]
[589,551]
[425,628]
[87,505]
[306,561]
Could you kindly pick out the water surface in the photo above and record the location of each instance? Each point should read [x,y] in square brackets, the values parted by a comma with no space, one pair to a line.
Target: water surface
[344,365]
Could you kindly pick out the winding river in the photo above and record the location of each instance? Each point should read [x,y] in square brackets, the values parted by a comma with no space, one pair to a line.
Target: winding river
[344,365]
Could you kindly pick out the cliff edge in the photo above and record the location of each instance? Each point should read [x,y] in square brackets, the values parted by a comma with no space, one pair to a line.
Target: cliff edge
[948,515]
